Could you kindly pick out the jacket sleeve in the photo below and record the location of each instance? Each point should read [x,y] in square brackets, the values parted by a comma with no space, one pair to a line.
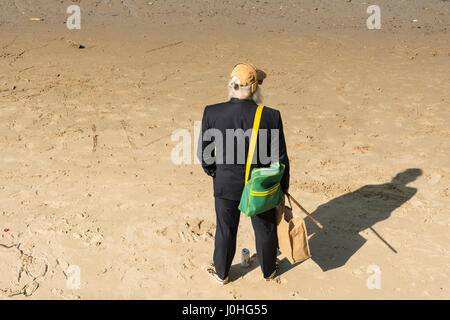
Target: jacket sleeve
[207,160]
[283,157]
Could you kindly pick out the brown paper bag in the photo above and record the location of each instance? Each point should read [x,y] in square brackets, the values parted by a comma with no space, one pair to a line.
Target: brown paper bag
[292,235]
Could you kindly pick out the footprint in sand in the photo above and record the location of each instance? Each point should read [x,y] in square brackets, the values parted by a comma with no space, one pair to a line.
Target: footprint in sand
[192,230]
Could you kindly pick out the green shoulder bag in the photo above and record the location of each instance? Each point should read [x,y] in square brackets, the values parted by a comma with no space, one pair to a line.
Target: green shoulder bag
[263,191]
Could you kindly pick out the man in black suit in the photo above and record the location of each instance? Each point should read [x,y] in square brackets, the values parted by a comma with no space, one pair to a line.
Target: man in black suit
[223,148]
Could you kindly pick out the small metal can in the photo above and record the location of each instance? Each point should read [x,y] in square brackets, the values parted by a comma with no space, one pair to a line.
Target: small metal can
[245,259]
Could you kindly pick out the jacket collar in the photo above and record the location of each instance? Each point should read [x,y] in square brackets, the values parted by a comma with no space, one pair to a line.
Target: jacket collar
[236,100]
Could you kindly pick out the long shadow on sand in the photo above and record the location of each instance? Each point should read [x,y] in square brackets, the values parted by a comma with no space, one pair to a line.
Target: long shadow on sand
[343,218]
[347,215]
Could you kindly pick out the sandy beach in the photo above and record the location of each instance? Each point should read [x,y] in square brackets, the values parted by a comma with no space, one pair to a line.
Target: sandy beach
[87,178]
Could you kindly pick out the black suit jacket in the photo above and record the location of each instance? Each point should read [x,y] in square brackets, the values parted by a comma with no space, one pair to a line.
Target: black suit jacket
[227,167]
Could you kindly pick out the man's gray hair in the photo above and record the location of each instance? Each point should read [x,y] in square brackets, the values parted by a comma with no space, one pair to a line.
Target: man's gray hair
[236,91]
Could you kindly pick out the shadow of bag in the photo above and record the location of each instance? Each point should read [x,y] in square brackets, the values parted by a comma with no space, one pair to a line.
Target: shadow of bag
[292,235]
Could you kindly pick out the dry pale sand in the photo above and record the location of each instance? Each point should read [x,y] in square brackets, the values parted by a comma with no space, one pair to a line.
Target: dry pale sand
[85,136]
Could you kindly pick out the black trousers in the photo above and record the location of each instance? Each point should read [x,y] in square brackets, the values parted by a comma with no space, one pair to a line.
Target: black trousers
[227,221]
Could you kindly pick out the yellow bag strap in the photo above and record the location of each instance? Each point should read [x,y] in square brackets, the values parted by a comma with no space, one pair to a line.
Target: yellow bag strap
[251,148]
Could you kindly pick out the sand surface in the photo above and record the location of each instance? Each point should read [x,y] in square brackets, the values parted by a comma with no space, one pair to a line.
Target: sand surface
[86,177]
